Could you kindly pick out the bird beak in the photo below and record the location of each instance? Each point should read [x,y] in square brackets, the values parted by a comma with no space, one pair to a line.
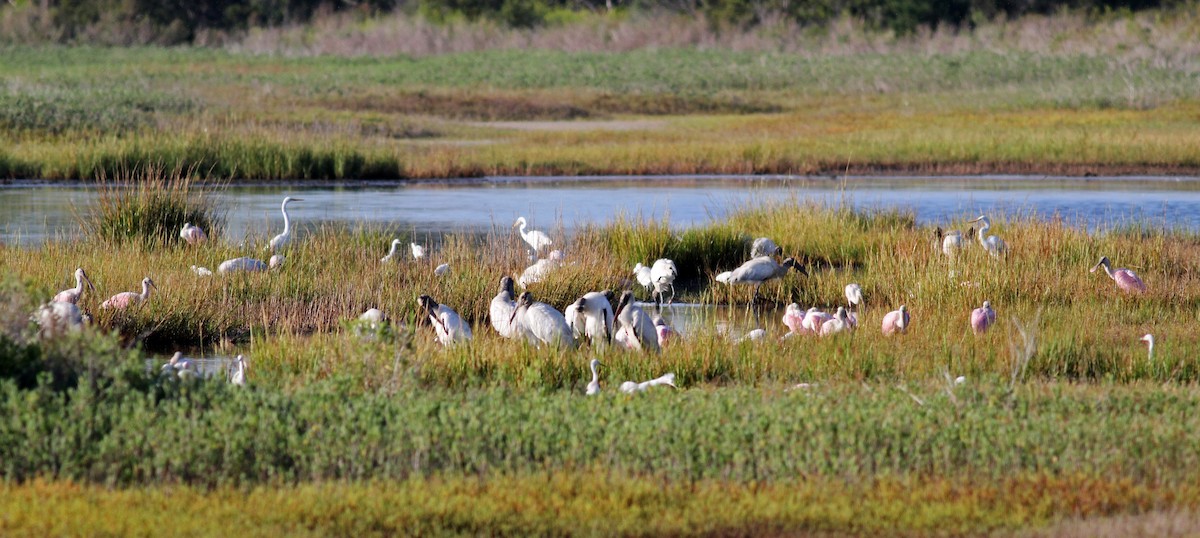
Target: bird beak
[89,282]
[977,219]
[1094,267]
[800,269]
[297,199]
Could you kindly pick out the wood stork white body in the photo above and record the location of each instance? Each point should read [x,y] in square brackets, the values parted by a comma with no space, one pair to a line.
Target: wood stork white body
[504,304]
[542,323]
[449,327]
[639,327]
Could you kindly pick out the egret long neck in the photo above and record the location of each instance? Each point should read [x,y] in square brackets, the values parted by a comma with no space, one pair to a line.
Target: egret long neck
[286,222]
[983,230]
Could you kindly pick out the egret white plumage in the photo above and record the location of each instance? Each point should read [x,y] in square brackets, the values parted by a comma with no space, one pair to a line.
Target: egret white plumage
[193,235]
[536,239]
[238,375]
[764,247]
[762,269]
[441,269]
[542,323]
[952,242]
[853,294]
[991,244]
[242,265]
[201,271]
[639,327]
[391,255]
[72,295]
[630,387]
[642,273]
[1126,279]
[594,386]
[373,315]
[839,323]
[282,240]
[1149,340]
[896,321]
[504,304]
[662,275]
[418,251]
[592,317]
[126,299]
[447,324]
[56,318]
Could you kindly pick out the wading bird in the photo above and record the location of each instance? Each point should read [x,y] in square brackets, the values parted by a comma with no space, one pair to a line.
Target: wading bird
[193,235]
[1127,280]
[72,295]
[760,270]
[793,318]
[814,318]
[592,317]
[246,265]
[853,295]
[373,316]
[642,273]
[542,323]
[541,268]
[764,247]
[991,244]
[536,239]
[441,269]
[896,321]
[1149,340]
[447,324]
[238,375]
[201,271]
[281,241]
[502,308]
[839,323]
[982,318]
[56,318]
[180,367]
[418,251]
[126,299]
[391,255]
[275,261]
[637,326]
[662,275]
[952,242]
[757,335]
[630,387]
[594,386]
[664,331]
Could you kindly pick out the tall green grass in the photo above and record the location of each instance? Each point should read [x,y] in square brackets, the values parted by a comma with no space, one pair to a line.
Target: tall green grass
[149,207]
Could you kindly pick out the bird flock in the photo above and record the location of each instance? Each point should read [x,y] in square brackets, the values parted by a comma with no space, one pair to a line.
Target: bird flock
[597,318]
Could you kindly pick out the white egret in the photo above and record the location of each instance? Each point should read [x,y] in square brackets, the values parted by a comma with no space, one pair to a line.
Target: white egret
[447,324]
[391,255]
[72,295]
[991,244]
[592,317]
[373,315]
[193,235]
[853,294]
[839,323]
[281,241]
[242,265]
[637,323]
[630,387]
[441,269]
[761,269]
[126,299]
[1127,280]
[502,308]
[1149,340]
[642,273]
[536,239]
[56,318]
[662,276]
[201,271]
[542,323]
[238,375]
[764,247]
[896,321]
[418,251]
[594,386]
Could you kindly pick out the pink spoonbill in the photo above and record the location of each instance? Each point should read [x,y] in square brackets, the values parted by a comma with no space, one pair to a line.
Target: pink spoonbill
[72,295]
[126,299]
[1125,279]
[192,234]
[982,318]
[896,321]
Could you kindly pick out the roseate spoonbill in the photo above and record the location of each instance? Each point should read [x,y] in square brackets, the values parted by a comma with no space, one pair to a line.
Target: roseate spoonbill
[853,294]
[281,241]
[238,375]
[1149,340]
[418,251]
[542,323]
[991,244]
[814,318]
[447,324]
[502,308]
[247,265]
[592,317]
[1127,280]
[373,315]
[594,386]
[761,269]
[441,269]
[838,324]
[193,235]
[72,295]
[541,268]
[664,331]
[764,247]
[896,321]
[982,318]
[391,255]
[793,318]
[636,323]
[630,387]
[536,239]
[56,318]
[201,271]
[642,273]
[662,275]
[126,299]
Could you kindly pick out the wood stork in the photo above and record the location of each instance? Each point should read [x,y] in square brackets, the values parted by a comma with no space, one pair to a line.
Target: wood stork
[639,327]
[193,235]
[72,295]
[761,269]
[504,304]
[126,299]
[536,239]
[630,387]
[594,386]
[592,317]
[896,321]
[764,246]
[1127,280]
[541,268]
[953,241]
[447,324]
[281,241]
[982,318]
[542,323]
[991,244]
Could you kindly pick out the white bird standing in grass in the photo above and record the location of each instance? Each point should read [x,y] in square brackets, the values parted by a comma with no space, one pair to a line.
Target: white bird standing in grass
[992,244]
[201,271]
[504,304]
[238,375]
[542,323]
[447,324]
[373,315]
[642,274]
[441,269]
[72,295]
[952,242]
[541,268]
[193,235]
[592,317]
[764,247]
[1149,340]
[281,241]
[853,294]
[757,335]
[536,239]
[630,387]
[418,251]
[126,299]
[637,326]
[594,386]
[241,265]
[759,270]
[662,275]
[391,255]
[56,318]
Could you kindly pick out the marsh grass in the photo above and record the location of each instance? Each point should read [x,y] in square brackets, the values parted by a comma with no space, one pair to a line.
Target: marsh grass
[148,207]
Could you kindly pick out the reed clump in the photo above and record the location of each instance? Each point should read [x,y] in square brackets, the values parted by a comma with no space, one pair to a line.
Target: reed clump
[149,207]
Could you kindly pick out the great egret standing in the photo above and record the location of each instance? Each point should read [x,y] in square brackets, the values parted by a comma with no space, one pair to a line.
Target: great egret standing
[761,269]
[991,244]
[662,275]
[194,235]
[982,318]
[637,325]
[536,239]
[72,295]
[1127,280]
[542,323]
[391,255]
[126,299]
[853,294]
[594,386]
[281,241]
[896,321]
[630,387]
[502,308]
[418,251]
[447,324]
[238,375]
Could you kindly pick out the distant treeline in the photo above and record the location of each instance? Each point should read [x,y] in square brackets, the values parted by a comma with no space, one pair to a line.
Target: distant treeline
[184,21]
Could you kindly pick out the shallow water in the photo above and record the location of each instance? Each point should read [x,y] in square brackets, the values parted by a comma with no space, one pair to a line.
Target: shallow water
[30,213]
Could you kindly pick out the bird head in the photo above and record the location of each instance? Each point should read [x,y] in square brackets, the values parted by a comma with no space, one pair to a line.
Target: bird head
[595,364]
[1149,339]
[506,285]
[778,251]
[148,283]
[520,222]
[938,233]
[80,274]
[290,199]
[427,304]
[987,305]
[1103,262]
[626,298]
[526,299]
[608,295]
